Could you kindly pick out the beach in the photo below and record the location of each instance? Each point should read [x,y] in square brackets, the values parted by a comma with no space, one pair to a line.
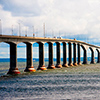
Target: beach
[72,83]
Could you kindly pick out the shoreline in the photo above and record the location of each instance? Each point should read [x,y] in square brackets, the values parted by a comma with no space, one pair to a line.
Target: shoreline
[78,70]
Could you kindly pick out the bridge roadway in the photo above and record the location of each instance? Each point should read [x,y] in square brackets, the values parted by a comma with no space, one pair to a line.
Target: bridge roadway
[14,40]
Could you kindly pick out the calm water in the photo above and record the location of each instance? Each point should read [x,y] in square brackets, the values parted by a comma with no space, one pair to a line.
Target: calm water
[73,83]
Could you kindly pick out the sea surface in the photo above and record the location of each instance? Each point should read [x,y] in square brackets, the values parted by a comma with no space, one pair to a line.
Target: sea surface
[72,83]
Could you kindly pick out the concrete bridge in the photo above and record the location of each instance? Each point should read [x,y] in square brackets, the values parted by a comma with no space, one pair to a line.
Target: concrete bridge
[14,40]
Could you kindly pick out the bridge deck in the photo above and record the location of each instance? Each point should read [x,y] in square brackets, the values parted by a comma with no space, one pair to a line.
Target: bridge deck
[9,38]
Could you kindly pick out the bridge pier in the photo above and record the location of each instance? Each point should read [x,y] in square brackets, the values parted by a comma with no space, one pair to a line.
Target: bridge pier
[85,57]
[98,57]
[64,55]
[92,57]
[29,50]
[51,65]
[41,57]
[13,59]
[98,61]
[79,55]
[74,54]
[58,56]
[70,54]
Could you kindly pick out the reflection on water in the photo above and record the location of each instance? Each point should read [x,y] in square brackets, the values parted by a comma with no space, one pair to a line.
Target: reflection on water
[75,83]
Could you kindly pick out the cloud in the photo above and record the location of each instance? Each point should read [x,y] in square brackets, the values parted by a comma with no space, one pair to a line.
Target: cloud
[7,21]
[71,18]
[22,8]
[3,53]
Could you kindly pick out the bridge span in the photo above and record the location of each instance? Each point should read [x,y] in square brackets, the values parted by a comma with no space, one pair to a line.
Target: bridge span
[14,40]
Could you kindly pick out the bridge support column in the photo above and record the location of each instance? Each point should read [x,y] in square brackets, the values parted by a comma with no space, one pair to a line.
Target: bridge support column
[13,59]
[41,57]
[29,50]
[85,57]
[98,61]
[79,55]
[64,55]
[70,54]
[74,54]
[92,57]
[51,65]
[58,56]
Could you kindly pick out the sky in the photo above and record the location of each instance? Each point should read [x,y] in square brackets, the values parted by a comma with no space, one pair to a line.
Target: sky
[71,19]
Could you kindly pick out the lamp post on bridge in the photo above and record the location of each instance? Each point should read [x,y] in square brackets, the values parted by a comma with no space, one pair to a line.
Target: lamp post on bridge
[33,30]
[26,32]
[52,33]
[36,32]
[44,29]
[19,29]
[12,30]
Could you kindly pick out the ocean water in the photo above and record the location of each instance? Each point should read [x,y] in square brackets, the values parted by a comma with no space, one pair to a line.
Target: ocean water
[73,83]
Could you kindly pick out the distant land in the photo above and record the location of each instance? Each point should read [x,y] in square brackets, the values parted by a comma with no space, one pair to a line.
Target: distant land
[36,59]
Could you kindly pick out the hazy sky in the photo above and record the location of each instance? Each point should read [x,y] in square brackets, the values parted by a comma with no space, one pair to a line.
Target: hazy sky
[78,19]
